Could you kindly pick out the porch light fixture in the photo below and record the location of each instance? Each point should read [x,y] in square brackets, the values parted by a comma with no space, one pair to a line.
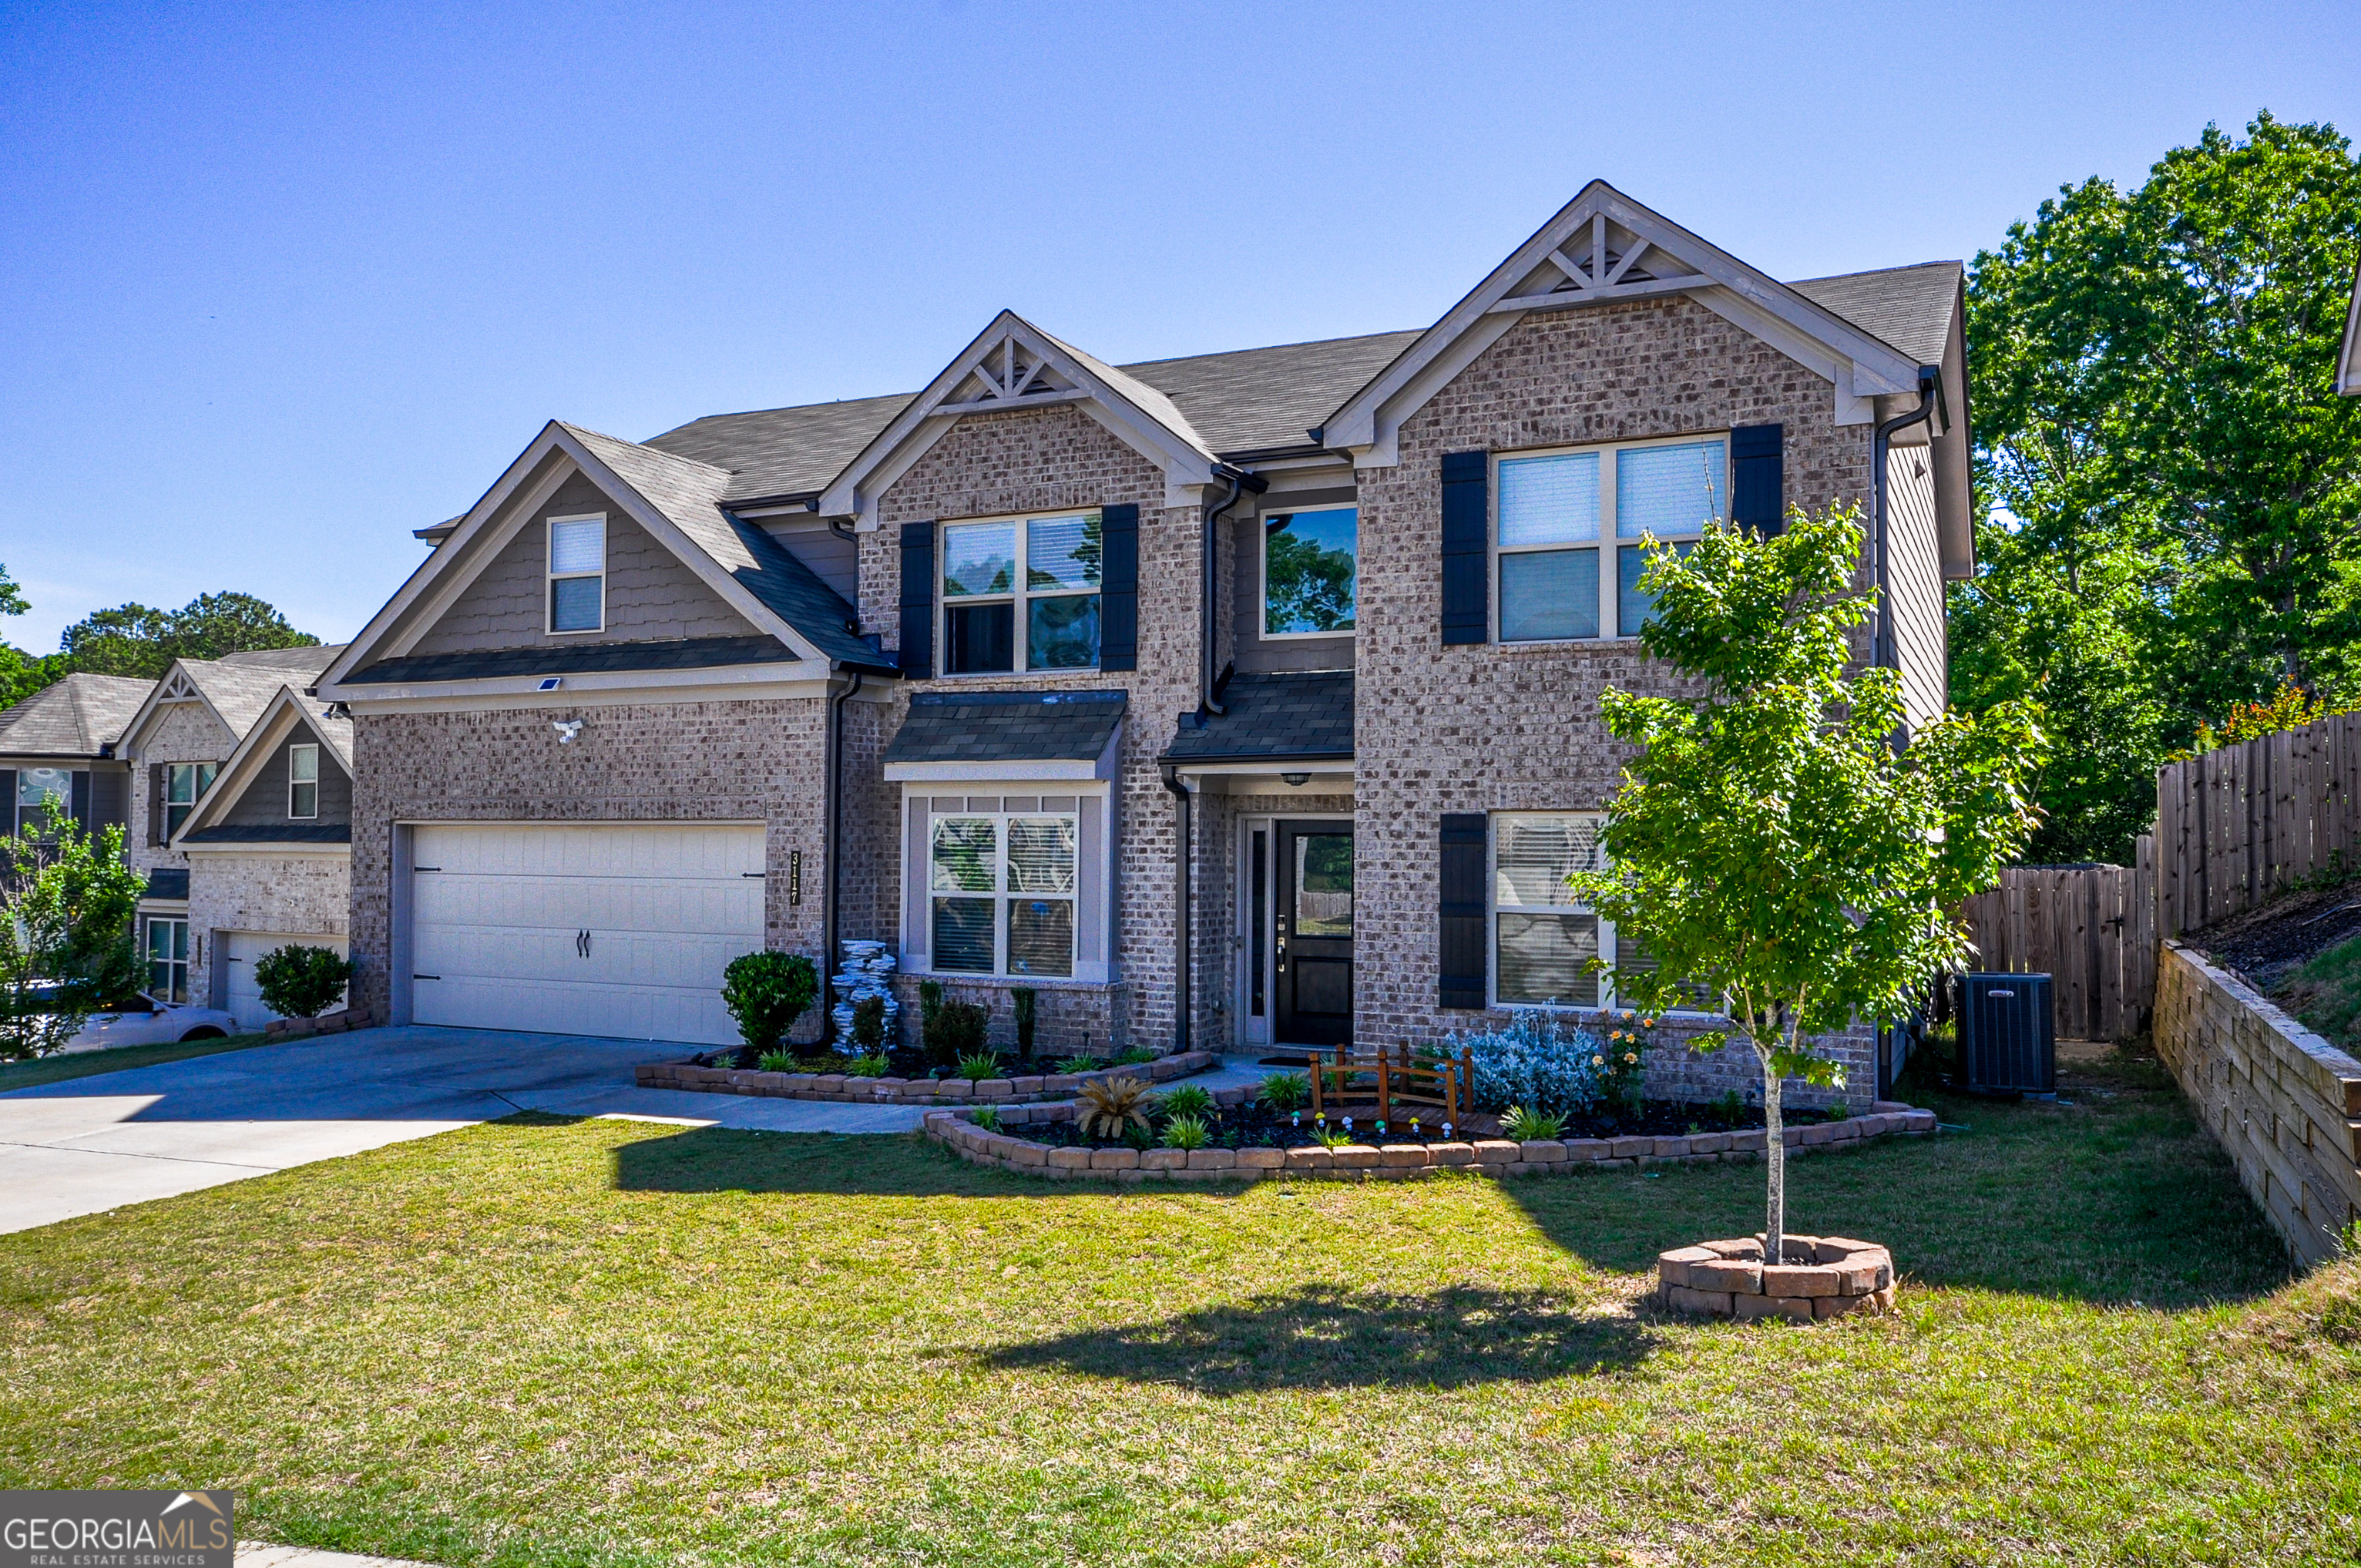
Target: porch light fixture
[1295,781]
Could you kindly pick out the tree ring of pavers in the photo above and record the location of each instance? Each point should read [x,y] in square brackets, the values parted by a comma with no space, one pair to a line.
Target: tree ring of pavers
[1818,1278]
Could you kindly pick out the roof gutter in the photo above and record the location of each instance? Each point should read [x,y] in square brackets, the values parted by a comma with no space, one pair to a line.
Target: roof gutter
[1239,482]
[1884,650]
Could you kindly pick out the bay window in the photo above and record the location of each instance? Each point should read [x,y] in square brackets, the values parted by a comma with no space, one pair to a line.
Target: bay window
[1021,594]
[1003,886]
[1566,543]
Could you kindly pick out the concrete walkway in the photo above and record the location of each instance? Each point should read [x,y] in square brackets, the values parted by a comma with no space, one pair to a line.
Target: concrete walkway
[258,1554]
[94,1144]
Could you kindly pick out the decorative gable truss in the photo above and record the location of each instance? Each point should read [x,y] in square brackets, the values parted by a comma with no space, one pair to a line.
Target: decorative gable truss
[1011,365]
[1602,247]
[288,713]
[177,687]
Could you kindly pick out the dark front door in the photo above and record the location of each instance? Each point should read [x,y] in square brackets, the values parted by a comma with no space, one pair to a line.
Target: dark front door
[1313,970]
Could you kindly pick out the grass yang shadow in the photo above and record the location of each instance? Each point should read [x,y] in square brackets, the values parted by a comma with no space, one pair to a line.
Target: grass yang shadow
[1327,1337]
[894,1165]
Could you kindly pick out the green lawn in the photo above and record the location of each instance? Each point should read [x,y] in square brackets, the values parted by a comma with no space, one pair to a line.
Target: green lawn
[86,1064]
[614,1342]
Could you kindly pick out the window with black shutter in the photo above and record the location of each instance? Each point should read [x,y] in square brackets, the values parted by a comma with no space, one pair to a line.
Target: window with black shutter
[1462,908]
[1757,478]
[1466,525]
[917,655]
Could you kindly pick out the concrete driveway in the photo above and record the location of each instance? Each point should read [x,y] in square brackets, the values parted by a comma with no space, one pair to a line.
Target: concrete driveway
[95,1144]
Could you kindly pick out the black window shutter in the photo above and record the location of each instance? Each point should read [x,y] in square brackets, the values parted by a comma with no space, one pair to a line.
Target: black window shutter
[82,798]
[1757,479]
[1463,910]
[155,803]
[1119,587]
[917,655]
[1467,528]
[7,802]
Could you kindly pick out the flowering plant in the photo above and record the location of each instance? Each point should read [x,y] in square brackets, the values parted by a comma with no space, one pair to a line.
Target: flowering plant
[1538,1060]
[1622,1065]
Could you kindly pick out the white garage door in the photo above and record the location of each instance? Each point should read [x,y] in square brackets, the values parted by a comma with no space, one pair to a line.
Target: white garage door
[239,949]
[595,929]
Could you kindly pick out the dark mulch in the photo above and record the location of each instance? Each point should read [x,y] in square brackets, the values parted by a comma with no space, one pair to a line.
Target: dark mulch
[2265,944]
[1256,1126]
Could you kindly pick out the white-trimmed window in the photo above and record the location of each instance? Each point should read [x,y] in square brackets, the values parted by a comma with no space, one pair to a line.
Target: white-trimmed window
[167,959]
[1541,939]
[184,784]
[303,780]
[577,573]
[1021,593]
[1003,886]
[1311,564]
[36,789]
[1567,560]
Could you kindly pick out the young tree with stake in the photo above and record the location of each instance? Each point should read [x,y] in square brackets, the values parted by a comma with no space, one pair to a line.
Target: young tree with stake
[1771,844]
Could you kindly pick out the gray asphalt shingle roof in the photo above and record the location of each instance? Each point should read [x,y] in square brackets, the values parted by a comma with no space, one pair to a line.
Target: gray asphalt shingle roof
[1007,727]
[74,718]
[239,692]
[273,833]
[1908,307]
[574,659]
[1272,715]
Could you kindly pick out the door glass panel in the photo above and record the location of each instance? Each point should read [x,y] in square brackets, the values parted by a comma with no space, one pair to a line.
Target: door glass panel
[1323,884]
[1256,925]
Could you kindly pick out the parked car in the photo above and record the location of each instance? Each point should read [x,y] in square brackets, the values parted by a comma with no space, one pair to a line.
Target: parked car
[145,1021]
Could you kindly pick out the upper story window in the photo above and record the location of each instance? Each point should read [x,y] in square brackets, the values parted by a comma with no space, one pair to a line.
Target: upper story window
[1561,512]
[1000,616]
[1004,885]
[303,780]
[36,789]
[1310,560]
[184,784]
[577,574]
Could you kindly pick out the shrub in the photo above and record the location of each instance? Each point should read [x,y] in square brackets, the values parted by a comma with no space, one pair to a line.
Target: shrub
[1104,1108]
[957,1030]
[1536,1061]
[298,982]
[979,1066]
[1189,1100]
[1186,1132]
[1524,1125]
[1138,1137]
[986,1117]
[1287,1090]
[870,1065]
[1134,1056]
[869,1023]
[766,992]
[1024,999]
[776,1061]
[930,1001]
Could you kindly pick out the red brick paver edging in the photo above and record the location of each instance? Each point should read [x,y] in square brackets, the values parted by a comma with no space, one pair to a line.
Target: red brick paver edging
[1821,1276]
[839,1087]
[1386,1162]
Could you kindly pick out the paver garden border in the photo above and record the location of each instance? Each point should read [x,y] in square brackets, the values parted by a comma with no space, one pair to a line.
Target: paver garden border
[1821,1277]
[846,1089]
[1387,1162]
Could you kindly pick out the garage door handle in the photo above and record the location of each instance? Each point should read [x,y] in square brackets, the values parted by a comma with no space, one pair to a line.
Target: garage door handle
[426,977]
[582,944]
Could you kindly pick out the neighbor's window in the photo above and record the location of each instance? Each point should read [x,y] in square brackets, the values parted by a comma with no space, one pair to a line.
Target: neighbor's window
[1309,562]
[1542,940]
[999,617]
[1004,893]
[577,573]
[184,784]
[303,780]
[36,787]
[1559,510]
[168,959]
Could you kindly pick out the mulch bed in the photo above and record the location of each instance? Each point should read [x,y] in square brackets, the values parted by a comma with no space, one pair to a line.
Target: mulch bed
[2264,943]
[1256,1126]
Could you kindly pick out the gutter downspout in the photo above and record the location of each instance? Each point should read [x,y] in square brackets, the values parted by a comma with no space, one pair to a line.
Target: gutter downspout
[1181,815]
[1883,652]
[832,854]
[1240,482]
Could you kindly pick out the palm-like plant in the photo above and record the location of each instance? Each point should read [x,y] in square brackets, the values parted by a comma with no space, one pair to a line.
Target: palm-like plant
[1189,1100]
[1106,1105]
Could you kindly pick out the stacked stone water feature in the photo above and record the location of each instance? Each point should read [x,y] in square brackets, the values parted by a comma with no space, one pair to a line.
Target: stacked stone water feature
[867,972]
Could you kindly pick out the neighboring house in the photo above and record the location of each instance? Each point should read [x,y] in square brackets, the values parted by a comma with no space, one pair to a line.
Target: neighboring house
[1249,698]
[214,903]
[60,744]
[2348,362]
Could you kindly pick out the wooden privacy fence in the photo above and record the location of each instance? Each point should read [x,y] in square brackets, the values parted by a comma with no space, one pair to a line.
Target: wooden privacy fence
[2092,928]
[2236,826]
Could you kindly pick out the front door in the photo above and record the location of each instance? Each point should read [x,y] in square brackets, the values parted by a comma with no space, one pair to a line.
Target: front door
[1313,967]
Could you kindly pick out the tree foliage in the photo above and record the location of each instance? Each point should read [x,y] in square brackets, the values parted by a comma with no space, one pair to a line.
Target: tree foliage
[66,906]
[1769,843]
[2177,486]
[133,640]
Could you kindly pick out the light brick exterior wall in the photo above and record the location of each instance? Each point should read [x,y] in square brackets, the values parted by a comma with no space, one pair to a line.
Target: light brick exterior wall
[755,761]
[292,895]
[1045,460]
[180,732]
[1509,727]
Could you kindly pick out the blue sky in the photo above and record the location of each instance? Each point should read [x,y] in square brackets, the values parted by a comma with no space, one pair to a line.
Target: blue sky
[280,283]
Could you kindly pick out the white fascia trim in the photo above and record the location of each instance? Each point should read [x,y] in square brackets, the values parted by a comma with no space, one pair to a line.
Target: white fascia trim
[456,577]
[1325,767]
[1064,768]
[267,851]
[613,688]
[1852,405]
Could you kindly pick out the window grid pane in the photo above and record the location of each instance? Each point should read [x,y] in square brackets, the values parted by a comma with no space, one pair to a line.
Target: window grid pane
[575,604]
[1544,959]
[962,935]
[979,558]
[1634,606]
[1536,855]
[1062,633]
[1547,595]
[1668,490]
[1549,501]
[1062,551]
[579,546]
[1041,936]
[1311,563]
[303,763]
[965,854]
[1041,854]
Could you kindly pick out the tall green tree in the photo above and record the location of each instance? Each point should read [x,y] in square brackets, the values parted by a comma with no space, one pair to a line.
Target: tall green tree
[21,674]
[1769,844]
[133,640]
[2175,486]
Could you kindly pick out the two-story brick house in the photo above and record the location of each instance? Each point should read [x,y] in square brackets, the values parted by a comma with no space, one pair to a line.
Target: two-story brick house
[1249,698]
